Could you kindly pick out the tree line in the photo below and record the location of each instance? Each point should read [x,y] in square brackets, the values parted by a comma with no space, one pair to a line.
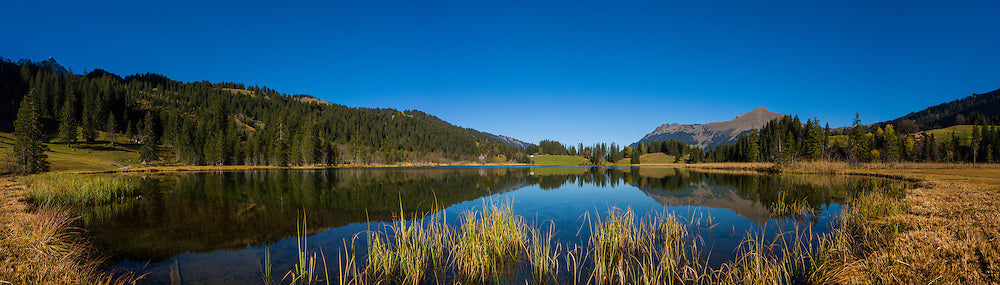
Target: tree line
[203,123]
[788,139]
[601,153]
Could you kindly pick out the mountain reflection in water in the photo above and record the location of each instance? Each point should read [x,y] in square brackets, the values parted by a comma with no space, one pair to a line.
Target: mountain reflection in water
[220,217]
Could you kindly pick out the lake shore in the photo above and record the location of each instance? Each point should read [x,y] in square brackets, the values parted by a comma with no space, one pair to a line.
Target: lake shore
[948,234]
[209,168]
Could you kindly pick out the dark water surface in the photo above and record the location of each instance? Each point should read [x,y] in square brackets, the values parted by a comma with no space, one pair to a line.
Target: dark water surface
[212,228]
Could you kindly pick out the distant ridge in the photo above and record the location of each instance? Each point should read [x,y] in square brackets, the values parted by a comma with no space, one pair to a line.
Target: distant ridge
[956,112]
[705,135]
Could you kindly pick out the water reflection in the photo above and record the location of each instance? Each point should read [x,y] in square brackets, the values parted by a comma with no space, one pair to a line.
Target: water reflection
[226,217]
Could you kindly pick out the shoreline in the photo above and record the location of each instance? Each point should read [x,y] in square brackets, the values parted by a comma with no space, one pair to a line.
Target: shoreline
[949,233]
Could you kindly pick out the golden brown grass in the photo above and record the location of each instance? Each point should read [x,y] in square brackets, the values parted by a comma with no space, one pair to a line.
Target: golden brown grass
[945,229]
[41,245]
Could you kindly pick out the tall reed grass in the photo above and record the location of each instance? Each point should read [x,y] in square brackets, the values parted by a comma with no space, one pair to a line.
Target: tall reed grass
[78,189]
[493,245]
[489,243]
[45,247]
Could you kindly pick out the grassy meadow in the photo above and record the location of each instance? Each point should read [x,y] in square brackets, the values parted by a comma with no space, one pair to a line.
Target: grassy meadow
[546,159]
[97,156]
[962,131]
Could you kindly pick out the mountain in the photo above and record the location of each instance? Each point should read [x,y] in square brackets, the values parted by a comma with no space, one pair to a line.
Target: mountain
[704,135]
[513,141]
[958,112]
[201,122]
[49,64]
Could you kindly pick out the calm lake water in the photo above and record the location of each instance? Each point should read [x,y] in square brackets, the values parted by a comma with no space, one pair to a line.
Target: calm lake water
[212,228]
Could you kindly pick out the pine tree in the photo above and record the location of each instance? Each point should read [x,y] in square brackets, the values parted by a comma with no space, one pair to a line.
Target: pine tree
[148,151]
[67,123]
[129,132]
[813,140]
[857,142]
[110,128]
[29,152]
[89,128]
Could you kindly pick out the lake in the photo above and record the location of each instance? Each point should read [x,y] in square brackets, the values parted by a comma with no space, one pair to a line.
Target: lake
[214,227]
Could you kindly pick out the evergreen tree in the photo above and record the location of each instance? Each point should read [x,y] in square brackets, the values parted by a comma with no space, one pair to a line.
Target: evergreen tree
[29,152]
[148,151]
[813,141]
[857,143]
[129,132]
[89,128]
[753,147]
[67,123]
[634,155]
[110,128]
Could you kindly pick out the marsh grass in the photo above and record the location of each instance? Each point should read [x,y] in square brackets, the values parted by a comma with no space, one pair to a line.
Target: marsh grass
[305,270]
[492,243]
[489,243]
[785,206]
[543,255]
[78,189]
[44,247]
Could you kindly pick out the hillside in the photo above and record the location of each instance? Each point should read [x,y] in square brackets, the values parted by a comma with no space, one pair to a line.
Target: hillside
[704,135]
[958,112]
[227,123]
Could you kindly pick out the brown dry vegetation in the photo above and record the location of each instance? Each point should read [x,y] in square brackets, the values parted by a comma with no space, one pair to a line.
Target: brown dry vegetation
[40,245]
[948,234]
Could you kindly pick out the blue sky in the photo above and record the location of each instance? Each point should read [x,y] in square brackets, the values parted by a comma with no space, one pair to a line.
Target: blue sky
[574,71]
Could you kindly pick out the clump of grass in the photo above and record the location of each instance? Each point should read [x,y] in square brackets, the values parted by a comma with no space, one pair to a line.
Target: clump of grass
[78,189]
[648,250]
[613,239]
[783,207]
[543,255]
[490,242]
[43,247]
[414,247]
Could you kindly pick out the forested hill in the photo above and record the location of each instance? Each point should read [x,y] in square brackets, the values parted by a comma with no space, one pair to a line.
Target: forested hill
[966,111]
[229,123]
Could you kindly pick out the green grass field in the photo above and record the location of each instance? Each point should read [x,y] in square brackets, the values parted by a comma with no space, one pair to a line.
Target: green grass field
[559,160]
[963,131]
[559,170]
[656,158]
[82,156]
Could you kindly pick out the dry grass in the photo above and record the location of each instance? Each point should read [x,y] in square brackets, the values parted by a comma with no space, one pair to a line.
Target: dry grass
[943,231]
[42,246]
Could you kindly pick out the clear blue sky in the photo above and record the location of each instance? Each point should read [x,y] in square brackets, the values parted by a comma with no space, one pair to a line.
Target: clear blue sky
[574,71]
